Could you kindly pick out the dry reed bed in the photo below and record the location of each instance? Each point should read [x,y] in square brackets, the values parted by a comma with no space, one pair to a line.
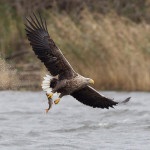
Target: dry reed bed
[8,76]
[111,49]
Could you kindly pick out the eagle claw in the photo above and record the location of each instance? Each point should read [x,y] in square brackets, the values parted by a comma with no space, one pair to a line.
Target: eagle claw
[49,96]
[57,101]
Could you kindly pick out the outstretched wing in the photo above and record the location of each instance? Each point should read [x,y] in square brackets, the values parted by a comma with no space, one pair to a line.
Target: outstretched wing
[45,48]
[91,97]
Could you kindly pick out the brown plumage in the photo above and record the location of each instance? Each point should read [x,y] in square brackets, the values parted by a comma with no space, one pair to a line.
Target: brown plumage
[68,81]
[46,50]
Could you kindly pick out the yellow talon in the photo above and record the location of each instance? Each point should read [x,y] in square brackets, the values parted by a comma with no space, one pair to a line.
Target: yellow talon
[57,101]
[50,95]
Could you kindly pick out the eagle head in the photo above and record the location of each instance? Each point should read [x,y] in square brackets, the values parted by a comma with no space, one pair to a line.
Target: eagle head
[90,81]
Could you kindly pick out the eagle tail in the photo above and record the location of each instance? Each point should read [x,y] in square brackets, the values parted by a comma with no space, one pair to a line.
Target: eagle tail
[49,83]
[46,83]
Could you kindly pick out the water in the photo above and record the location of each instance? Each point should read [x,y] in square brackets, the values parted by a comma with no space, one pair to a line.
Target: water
[71,125]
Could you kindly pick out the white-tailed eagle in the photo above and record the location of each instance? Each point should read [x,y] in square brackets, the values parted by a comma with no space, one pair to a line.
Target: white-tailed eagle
[63,79]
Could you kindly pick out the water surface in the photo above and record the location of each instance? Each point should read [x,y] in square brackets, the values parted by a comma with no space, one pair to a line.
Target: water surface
[71,125]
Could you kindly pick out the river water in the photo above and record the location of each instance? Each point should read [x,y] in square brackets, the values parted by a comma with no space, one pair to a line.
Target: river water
[70,125]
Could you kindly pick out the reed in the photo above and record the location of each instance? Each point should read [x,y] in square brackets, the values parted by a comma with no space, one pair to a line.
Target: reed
[8,77]
[111,49]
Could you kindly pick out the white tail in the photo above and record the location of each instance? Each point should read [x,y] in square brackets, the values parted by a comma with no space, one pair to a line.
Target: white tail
[46,84]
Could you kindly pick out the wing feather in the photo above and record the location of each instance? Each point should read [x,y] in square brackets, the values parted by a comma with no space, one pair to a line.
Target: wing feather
[91,97]
[45,48]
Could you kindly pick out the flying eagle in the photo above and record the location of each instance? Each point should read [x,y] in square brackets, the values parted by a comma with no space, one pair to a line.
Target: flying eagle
[63,79]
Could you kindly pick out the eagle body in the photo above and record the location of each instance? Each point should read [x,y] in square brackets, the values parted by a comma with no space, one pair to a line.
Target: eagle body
[68,86]
[63,79]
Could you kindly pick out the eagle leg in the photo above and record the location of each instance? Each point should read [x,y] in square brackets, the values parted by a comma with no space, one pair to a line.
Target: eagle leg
[49,95]
[57,101]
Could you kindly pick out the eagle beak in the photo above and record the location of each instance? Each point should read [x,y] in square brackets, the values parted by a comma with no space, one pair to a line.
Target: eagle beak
[91,81]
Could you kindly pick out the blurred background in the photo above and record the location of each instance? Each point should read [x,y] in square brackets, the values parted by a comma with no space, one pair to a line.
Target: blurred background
[107,40]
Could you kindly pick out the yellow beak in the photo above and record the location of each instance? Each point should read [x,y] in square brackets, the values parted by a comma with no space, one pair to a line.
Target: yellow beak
[91,81]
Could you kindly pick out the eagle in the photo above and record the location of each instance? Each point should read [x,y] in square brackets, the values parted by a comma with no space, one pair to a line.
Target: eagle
[63,79]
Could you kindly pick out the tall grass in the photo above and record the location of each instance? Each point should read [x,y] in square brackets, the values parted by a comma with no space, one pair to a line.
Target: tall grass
[12,30]
[111,49]
[8,76]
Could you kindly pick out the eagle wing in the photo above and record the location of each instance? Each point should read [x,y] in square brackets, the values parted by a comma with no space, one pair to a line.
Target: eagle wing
[91,97]
[45,48]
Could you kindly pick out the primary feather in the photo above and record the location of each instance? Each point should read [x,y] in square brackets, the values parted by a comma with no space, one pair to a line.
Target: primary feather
[45,48]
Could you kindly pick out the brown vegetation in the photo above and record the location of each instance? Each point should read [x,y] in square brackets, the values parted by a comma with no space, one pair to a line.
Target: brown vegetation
[111,49]
[8,76]
[110,45]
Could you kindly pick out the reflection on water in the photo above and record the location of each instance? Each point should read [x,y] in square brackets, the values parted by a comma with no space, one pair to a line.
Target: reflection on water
[71,125]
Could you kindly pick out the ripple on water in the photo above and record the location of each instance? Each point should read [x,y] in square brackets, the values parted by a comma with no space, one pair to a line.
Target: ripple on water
[71,125]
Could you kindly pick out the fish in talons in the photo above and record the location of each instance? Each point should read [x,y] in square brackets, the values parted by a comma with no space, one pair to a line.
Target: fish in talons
[50,103]
[46,87]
